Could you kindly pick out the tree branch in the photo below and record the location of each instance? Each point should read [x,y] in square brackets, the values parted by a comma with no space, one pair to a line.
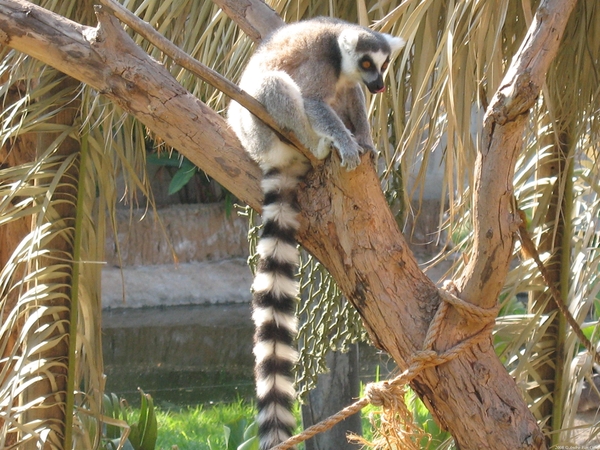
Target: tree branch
[495,219]
[256,19]
[109,61]
[208,75]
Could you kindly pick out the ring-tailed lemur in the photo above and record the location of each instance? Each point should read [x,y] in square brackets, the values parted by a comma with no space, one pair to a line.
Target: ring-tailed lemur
[308,76]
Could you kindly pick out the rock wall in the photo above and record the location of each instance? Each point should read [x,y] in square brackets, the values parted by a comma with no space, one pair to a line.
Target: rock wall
[189,233]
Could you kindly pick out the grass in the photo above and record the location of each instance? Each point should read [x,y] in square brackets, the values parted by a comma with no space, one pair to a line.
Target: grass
[200,427]
[225,426]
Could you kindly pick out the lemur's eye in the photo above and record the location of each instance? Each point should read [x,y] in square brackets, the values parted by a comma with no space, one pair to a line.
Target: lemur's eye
[385,65]
[366,64]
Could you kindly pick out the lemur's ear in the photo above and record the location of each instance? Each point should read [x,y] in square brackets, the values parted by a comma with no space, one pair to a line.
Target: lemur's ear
[348,39]
[396,43]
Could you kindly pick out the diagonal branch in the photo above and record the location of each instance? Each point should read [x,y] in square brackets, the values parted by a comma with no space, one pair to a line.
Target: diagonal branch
[208,75]
[108,60]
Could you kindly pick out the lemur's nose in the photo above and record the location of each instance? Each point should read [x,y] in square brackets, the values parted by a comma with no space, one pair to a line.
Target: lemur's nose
[376,86]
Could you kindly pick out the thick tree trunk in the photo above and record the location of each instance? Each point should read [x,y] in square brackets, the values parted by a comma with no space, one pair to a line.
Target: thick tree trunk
[346,223]
[21,151]
[11,235]
[53,387]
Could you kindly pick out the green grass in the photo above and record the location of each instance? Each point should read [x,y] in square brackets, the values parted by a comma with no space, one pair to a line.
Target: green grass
[200,427]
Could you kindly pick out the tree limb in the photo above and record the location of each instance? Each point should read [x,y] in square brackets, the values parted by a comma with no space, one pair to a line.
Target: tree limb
[109,61]
[208,75]
[256,19]
[495,219]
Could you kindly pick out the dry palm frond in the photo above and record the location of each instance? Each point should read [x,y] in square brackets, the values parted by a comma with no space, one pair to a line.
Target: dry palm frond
[34,299]
[563,133]
[37,280]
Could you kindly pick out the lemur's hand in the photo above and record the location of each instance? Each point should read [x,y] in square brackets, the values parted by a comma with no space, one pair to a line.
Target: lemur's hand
[350,154]
[366,148]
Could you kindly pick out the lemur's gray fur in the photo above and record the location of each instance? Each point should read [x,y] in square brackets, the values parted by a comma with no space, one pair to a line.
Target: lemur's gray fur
[308,77]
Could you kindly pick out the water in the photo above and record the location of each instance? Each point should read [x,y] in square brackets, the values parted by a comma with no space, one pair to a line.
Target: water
[180,355]
[185,355]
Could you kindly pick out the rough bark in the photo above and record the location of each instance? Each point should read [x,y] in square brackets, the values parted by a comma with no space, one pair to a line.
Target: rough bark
[346,223]
[504,123]
[257,19]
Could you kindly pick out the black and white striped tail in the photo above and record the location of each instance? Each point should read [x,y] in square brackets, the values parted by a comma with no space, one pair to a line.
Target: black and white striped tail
[274,305]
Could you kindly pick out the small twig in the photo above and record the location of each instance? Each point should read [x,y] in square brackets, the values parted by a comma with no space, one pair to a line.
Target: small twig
[531,251]
[205,73]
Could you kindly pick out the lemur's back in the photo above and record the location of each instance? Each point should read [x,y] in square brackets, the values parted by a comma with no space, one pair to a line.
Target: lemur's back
[307,52]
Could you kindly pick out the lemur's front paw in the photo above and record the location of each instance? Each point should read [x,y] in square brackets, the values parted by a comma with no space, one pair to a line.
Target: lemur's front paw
[350,155]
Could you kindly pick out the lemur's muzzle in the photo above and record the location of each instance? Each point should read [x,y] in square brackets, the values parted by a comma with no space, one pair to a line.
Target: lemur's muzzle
[376,86]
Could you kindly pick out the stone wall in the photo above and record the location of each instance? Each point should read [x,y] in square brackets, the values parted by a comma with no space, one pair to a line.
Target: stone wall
[189,233]
[181,255]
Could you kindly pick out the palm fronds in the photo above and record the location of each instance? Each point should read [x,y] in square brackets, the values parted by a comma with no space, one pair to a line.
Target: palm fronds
[52,374]
[35,299]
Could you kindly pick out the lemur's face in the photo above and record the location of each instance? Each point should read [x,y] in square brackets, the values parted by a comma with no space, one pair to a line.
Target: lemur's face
[366,56]
[371,67]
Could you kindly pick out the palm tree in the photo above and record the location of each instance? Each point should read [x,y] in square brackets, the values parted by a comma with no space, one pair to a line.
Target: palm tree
[58,184]
[63,147]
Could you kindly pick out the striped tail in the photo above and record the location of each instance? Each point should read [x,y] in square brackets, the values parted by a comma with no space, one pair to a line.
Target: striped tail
[274,304]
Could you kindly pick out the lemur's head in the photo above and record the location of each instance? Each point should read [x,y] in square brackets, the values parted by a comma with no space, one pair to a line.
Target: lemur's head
[366,55]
